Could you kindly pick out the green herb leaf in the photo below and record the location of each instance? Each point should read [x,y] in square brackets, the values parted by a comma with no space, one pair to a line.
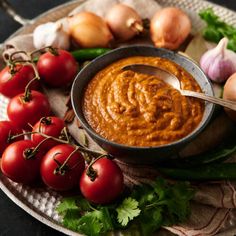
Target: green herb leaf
[146,209]
[150,220]
[67,204]
[216,29]
[95,222]
[163,203]
[127,211]
[90,224]
[71,219]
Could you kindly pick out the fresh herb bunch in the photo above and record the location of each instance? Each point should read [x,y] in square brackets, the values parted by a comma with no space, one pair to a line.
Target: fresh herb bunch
[145,210]
[216,29]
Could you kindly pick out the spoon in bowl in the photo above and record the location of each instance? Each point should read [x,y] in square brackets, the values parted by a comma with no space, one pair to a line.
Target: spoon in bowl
[171,79]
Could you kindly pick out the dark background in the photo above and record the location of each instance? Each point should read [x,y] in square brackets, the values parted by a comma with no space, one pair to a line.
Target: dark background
[13,220]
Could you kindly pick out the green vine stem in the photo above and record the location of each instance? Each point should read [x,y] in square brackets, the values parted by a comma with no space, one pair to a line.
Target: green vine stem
[91,172]
[80,148]
[31,152]
[62,168]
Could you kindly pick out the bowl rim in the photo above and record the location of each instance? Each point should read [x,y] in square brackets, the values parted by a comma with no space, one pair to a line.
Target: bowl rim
[91,131]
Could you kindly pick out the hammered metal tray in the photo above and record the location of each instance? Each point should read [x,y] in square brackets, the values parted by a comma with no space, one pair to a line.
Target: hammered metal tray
[40,202]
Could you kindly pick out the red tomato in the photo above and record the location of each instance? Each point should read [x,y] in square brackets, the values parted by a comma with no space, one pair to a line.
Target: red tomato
[57,70]
[7,129]
[13,84]
[22,112]
[15,164]
[107,185]
[66,178]
[51,126]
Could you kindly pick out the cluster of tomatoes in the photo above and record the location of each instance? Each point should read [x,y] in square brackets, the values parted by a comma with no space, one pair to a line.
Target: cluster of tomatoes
[35,144]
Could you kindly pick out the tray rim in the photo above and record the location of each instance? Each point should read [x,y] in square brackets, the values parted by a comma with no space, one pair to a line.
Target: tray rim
[42,217]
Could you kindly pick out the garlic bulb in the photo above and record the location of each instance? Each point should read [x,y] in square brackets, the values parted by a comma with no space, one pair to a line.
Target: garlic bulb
[51,34]
[219,63]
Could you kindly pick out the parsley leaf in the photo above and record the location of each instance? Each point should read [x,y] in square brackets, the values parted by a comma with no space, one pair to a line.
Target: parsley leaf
[127,211]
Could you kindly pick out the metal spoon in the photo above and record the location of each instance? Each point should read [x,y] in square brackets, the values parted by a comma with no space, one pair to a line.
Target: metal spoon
[174,82]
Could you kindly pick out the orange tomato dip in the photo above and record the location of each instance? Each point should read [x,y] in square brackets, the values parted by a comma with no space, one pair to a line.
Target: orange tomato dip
[141,110]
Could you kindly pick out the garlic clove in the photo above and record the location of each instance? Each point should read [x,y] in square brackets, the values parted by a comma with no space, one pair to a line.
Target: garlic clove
[219,63]
[51,34]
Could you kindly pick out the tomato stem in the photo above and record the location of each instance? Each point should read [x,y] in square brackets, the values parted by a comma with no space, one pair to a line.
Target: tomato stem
[62,168]
[91,172]
[53,50]
[30,153]
[27,94]
[41,50]
[56,171]
[40,143]
[11,60]
[64,135]
[10,137]
[44,120]
[29,61]
[13,69]
[80,147]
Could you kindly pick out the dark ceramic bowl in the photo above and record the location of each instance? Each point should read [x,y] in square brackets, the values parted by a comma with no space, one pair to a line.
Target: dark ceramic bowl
[132,154]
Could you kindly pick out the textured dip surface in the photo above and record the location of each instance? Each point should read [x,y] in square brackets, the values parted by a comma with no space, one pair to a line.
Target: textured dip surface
[141,110]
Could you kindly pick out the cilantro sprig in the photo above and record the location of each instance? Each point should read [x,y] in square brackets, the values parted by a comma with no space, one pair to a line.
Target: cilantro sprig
[216,28]
[145,210]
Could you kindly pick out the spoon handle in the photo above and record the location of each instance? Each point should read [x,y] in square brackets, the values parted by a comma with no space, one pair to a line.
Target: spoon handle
[219,101]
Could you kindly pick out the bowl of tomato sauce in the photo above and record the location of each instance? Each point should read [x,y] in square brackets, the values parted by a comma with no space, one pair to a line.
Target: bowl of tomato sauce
[137,117]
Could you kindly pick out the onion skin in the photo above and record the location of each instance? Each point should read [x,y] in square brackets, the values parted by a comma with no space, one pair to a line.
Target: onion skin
[169,28]
[124,22]
[230,94]
[89,30]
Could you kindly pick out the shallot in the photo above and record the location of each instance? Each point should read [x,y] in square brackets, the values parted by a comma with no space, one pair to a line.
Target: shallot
[124,22]
[169,27]
[89,30]
[219,63]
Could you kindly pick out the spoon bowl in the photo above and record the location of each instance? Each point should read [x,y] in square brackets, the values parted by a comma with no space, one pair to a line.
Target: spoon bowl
[172,80]
[162,74]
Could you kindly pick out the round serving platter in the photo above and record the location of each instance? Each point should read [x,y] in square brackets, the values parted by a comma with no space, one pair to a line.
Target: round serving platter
[40,202]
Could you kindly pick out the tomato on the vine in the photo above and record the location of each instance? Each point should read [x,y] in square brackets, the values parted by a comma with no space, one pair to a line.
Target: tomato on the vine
[57,68]
[20,162]
[102,182]
[7,130]
[13,80]
[51,126]
[62,167]
[24,110]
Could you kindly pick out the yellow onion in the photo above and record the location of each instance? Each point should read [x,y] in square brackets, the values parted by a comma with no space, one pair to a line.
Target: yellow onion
[169,27]
[124,22]
[229,93]
[89,30]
